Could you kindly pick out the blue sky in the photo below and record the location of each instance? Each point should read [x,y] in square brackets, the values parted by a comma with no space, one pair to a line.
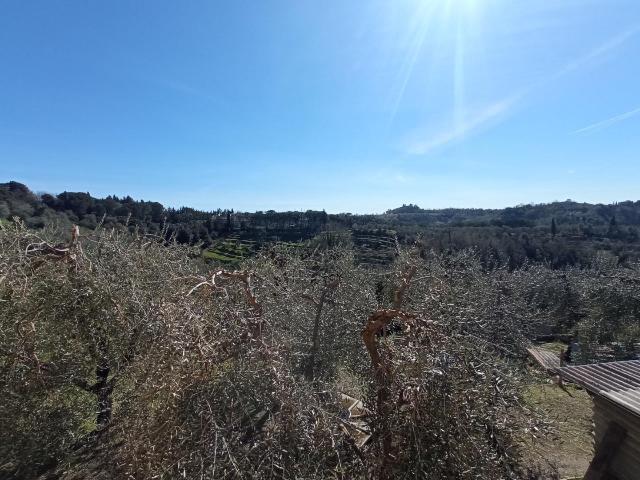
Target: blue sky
[342,105]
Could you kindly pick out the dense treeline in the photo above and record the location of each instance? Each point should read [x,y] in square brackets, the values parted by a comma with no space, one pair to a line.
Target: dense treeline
[561,234]
[189,226]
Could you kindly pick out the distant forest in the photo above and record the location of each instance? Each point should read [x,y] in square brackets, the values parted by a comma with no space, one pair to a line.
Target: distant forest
[560,233]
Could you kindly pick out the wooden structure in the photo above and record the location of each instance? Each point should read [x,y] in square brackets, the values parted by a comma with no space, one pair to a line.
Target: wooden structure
[355,425]
[547,359]
[615,390]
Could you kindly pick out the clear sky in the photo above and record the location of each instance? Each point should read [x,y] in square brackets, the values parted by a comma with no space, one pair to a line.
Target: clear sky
[344,105]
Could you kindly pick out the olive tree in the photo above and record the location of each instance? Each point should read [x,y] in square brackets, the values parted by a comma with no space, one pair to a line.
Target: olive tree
[75,317]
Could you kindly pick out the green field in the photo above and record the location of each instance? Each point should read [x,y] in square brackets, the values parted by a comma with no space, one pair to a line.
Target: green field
[230,251]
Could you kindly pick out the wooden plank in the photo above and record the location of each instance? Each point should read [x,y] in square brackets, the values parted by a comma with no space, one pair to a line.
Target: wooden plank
[547,359]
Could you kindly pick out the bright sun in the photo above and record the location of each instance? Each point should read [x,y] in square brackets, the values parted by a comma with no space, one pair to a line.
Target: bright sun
[466,8]
[448,24]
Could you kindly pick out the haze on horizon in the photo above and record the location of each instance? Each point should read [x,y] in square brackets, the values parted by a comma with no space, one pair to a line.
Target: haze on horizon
[343,106]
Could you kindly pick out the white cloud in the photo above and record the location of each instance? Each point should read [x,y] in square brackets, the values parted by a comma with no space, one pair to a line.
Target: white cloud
[608,122]
[426,140]
[599,51]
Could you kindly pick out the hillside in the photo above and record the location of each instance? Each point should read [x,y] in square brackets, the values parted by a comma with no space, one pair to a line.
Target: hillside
[328,350]
[560,233]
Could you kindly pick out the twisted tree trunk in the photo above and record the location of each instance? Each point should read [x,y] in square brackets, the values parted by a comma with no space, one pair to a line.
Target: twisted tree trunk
[383,374]
[309,372]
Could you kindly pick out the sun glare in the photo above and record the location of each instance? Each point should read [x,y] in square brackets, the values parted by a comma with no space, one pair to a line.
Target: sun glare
[461,9]
[466,6]
[447,24]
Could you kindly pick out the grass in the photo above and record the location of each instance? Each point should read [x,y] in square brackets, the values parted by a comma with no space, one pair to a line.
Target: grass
[569,445]
[213,255]
[229,251]
[232,251]
[557,347]
[291,244]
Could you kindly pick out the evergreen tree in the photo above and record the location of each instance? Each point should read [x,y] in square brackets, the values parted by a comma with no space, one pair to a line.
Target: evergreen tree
[613,228]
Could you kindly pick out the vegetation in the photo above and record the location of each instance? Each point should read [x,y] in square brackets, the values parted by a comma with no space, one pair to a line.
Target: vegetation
[165,368]
[569,448]
[561,233]
[127,353]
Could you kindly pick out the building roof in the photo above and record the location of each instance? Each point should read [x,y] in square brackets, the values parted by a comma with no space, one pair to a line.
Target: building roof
[616,381]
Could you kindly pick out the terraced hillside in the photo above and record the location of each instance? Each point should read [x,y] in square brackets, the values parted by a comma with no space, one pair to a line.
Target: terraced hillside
[374,247]
[231,250]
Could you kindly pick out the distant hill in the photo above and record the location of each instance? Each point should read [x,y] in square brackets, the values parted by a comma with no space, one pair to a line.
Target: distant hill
[567,212]
[560,233]
[411,208]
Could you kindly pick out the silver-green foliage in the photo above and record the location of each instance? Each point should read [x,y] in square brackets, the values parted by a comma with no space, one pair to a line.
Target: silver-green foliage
[129,346]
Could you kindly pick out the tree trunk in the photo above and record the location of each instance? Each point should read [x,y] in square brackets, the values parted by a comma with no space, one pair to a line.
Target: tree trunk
[315,341]
[103,389]
[309,372]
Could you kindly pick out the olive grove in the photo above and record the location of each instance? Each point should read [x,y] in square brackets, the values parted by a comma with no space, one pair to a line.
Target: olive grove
[123,355]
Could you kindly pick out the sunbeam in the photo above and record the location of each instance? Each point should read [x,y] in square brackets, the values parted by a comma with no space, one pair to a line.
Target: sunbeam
[436,30]
[424,15]
[458,78]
